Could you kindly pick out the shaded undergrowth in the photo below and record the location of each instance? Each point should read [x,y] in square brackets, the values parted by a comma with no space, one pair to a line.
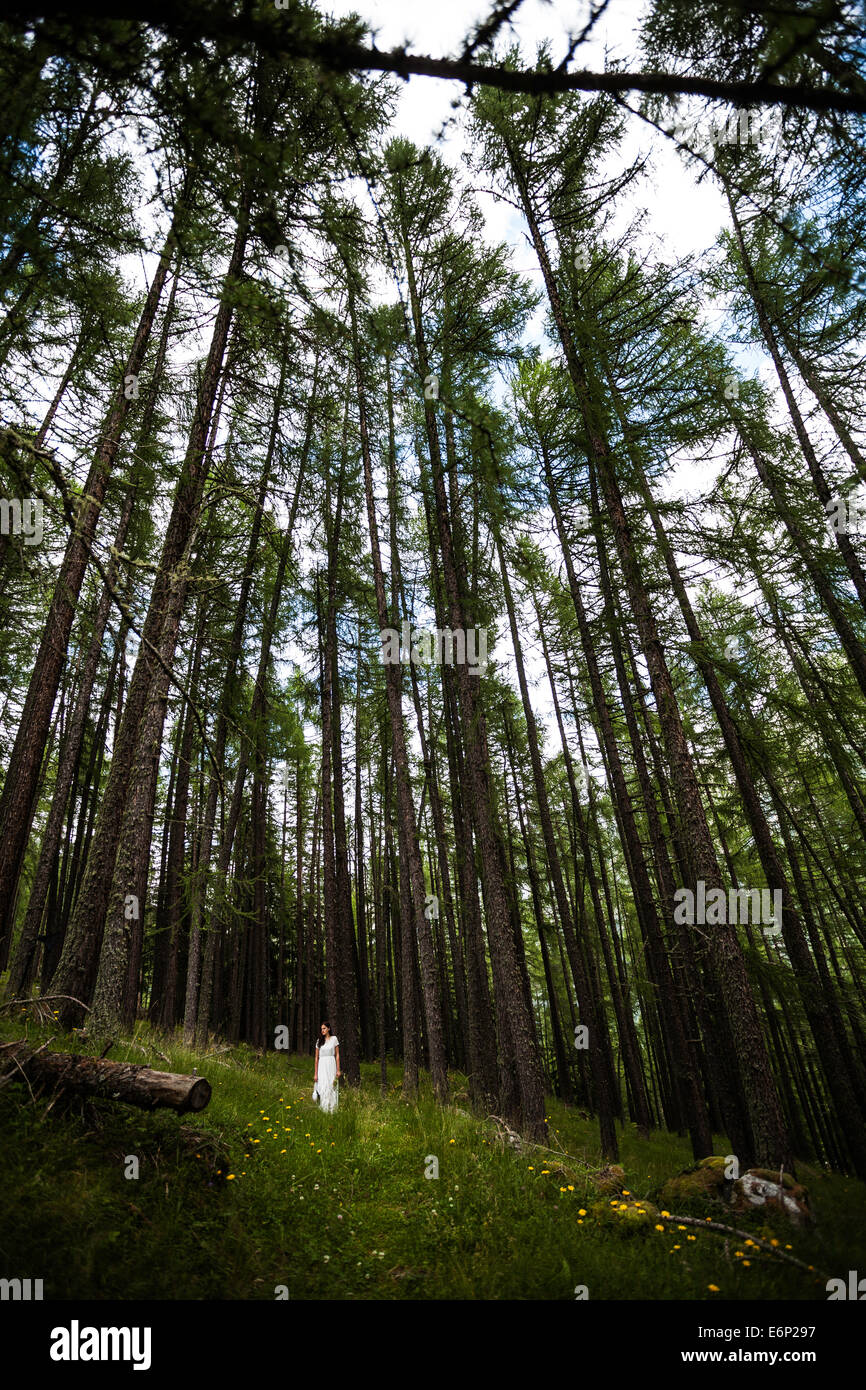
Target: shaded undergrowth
[262,1192]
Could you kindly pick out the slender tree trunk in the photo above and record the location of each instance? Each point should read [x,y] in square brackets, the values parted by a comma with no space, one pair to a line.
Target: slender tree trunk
[18,800]
[760,1133]
[122,814]
[590,1013]
[512,1013]
[405,809]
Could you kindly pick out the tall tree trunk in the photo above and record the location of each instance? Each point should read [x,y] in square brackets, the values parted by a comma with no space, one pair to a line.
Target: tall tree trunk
[18,800]
[759,1133]
[512,1015]
[405,809]
[122,813]
[590,1012]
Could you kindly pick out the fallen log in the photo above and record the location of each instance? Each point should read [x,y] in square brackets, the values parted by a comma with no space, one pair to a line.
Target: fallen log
[97,1076]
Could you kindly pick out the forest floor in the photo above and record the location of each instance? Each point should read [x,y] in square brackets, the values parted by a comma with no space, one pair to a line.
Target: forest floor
[262,1195]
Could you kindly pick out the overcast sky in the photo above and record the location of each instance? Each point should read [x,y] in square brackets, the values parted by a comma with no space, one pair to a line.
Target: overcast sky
[678,216]
[685,215]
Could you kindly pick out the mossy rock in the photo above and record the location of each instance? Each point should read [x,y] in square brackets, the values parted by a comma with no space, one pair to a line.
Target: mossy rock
[759,1188]
[756,1188]
[704,1180]
[627,1214]
[608,1182]
[789,1183]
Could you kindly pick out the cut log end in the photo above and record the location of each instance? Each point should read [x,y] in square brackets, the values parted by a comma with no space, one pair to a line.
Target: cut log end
[97,1076]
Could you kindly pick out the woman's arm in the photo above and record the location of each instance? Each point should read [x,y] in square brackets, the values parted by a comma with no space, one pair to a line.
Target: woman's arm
[337,1056]
[316,1072]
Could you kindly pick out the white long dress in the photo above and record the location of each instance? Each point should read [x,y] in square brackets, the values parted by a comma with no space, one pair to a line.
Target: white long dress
[328,1074]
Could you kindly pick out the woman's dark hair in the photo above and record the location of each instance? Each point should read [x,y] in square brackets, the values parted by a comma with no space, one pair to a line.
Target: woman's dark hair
[329,1028]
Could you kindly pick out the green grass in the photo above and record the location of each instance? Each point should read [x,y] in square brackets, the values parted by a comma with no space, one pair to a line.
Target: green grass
[262,1189]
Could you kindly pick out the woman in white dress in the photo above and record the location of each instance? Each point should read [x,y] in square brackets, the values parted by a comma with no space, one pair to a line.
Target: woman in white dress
[327,1068]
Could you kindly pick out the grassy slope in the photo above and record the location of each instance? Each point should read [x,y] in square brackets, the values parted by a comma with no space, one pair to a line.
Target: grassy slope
[262,1190]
